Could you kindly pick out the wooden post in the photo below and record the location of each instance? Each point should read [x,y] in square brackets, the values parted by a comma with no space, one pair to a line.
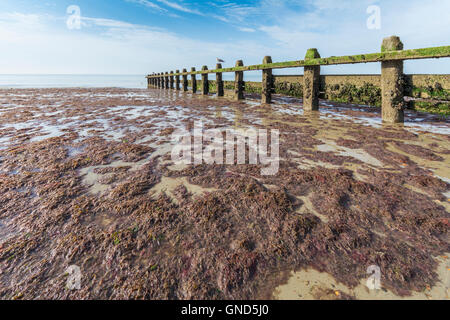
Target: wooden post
[239,84]
[163,82]
[171,79]
[167,80]
[205,82]
[177,80]
[219,81]
[159,80]
[267,82]
[392,86]
[311,85]
[185,81]
[149,83]
[194,81]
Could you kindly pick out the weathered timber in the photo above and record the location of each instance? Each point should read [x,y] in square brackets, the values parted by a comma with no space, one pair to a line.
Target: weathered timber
[392,86]
[193,80]
[185,80]
[392,80]
[205,82]
[219,81]
[177,80]
[171,80]
[267,82]
[412,54]
[239,84]
[311,83]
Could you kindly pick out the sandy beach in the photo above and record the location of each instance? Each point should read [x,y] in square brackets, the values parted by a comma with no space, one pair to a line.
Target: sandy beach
[86,179]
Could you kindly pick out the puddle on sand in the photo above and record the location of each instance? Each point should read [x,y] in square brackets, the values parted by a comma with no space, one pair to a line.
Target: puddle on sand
[359,154]
[313,285]
[168,186]
[73,152]
[92,179]
[440,169]
[306,164]
[178,166]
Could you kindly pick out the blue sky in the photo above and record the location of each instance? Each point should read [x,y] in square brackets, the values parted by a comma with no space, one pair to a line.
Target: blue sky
[143,36]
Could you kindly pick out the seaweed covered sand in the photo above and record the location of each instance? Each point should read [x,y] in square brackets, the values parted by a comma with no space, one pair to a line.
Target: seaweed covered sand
[86,179]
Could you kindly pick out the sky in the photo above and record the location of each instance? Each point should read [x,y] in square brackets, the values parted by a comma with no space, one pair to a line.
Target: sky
[145,36]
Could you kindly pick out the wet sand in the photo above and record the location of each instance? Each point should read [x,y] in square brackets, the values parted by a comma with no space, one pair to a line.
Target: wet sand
[86,179]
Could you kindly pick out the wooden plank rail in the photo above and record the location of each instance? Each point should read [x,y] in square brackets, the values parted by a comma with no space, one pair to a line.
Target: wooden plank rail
[414,54]
[391,58]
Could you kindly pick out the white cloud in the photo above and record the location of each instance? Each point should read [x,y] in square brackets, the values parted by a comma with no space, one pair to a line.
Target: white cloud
[339,28]
[20,19]
[106,23]
[167,3]
[147,4]
[178,7]
[244,29]
[119,48]
[42,44]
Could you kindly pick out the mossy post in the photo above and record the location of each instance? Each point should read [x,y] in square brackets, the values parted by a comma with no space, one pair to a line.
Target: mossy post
[194,81]
[167,80]
[177,80]
[205,82]
[392,96]
[159,81]
[163,81]
[311,83]
[172,80]
[185,81]
[267,82]
[219,81]
[149,83]
[239,84]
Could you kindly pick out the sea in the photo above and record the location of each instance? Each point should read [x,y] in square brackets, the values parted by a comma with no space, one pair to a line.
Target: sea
[71,81]
[11,81]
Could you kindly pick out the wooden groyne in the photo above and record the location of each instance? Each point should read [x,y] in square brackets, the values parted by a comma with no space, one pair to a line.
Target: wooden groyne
[391,58]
